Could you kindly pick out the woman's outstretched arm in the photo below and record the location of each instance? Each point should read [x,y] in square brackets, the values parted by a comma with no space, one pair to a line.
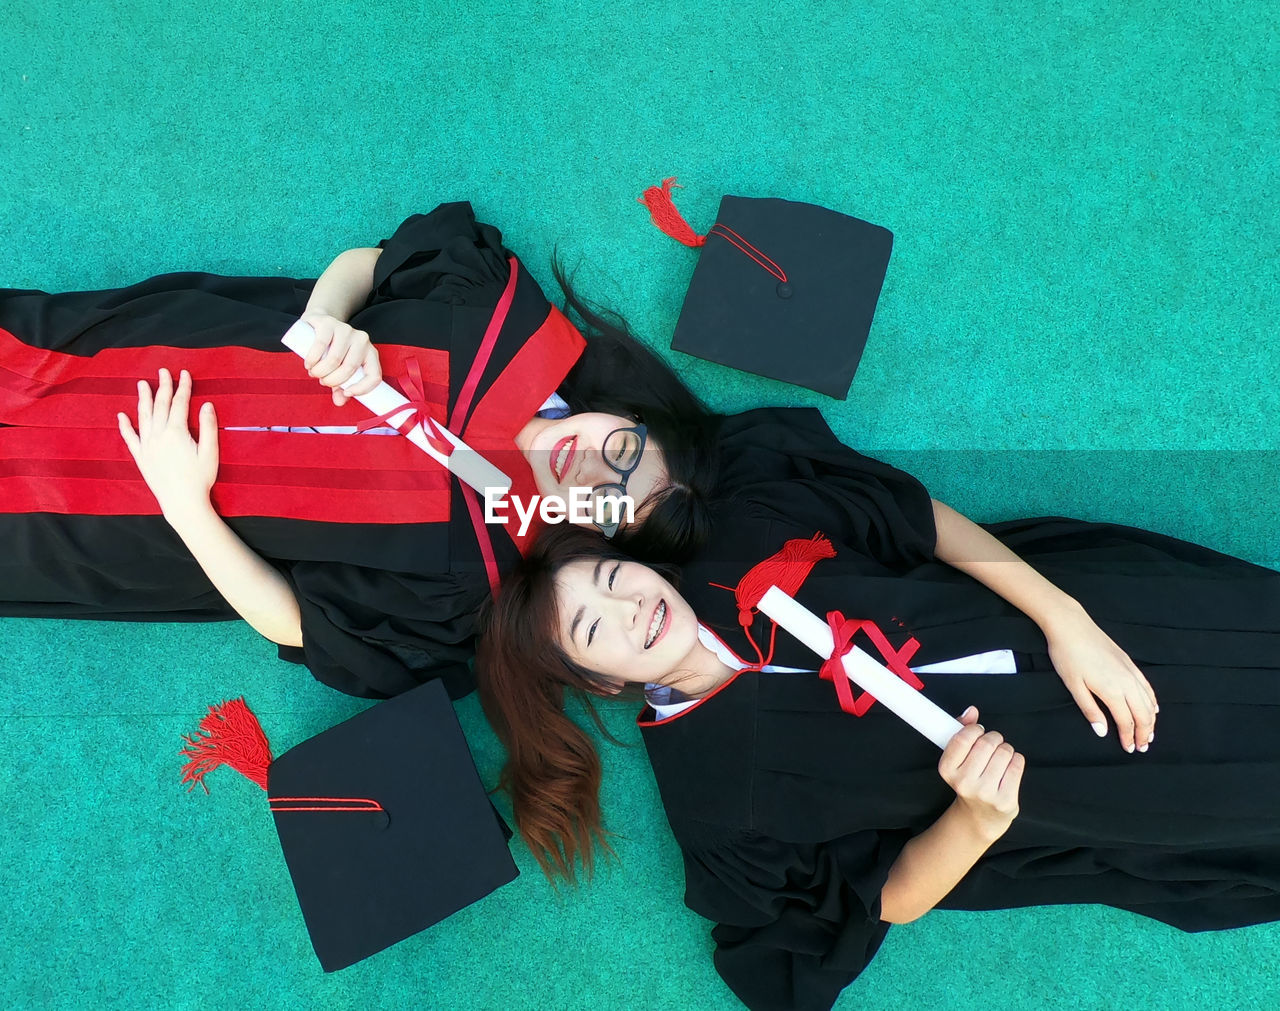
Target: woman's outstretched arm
[180,473]
[339,349]
[985,773]
[1088,661]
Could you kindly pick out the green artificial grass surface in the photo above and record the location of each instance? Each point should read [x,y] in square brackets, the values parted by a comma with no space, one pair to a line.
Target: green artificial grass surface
[1079,317]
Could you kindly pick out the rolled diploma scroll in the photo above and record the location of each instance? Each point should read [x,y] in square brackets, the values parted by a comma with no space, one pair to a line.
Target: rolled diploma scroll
[869,675]
[466,463]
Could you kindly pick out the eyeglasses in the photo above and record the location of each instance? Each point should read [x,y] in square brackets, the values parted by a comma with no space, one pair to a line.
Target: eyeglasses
[622,450]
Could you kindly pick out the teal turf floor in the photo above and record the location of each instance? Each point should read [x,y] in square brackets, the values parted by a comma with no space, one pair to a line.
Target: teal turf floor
[1080,317]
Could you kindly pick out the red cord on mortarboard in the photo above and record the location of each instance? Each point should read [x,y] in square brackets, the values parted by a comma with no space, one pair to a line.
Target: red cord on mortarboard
[662,210]
[231,735]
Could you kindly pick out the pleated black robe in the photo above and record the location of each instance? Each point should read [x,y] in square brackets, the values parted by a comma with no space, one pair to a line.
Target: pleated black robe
[373,536]
[790,812]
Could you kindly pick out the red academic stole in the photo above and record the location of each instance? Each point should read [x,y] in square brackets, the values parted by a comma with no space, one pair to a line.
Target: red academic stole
[62,451]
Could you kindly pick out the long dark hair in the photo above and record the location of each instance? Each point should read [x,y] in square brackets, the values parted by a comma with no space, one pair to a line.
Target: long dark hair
[617,374]
[552,770]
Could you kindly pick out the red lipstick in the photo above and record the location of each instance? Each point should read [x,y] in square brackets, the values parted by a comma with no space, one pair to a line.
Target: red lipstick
[559,472]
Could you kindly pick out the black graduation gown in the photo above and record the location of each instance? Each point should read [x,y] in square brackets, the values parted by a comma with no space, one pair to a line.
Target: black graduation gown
[790,812]
[384,605]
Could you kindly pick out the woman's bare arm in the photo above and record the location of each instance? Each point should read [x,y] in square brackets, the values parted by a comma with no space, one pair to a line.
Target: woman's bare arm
[339,349]
[985,773]
[180,473]
[1086,658]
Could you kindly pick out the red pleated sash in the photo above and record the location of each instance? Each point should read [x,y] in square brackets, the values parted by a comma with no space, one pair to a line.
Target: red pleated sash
[63,452]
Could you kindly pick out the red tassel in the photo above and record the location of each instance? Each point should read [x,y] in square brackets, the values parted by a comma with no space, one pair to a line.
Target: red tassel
[786,570]
[664,214]
[230,735]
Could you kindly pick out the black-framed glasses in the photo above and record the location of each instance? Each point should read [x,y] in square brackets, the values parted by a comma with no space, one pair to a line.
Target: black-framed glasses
[622,450]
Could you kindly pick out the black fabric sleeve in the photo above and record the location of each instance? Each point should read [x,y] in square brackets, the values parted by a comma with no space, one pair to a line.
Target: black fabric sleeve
[443,256]
[795,923]
[828,487]
[353,639]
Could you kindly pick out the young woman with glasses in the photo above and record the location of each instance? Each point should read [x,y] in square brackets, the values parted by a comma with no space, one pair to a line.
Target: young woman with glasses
[355,553]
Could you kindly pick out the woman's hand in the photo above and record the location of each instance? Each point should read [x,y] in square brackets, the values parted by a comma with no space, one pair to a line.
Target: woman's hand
[179,470]
[338,350]
[1094,668]
[1089,663]
[180,473]
[985,773]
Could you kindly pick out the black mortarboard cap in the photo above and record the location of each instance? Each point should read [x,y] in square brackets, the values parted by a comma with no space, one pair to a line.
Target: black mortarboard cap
[782,289]
[384,824]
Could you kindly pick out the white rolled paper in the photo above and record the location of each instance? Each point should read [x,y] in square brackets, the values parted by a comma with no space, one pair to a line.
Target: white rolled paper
[868,674]
[469,466]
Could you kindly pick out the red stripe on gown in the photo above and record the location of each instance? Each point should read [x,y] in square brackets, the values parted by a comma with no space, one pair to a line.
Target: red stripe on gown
[65,454]
[52,389]
[533,373]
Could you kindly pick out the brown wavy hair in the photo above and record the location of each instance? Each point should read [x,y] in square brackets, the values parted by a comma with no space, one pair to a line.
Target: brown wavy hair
[552,770]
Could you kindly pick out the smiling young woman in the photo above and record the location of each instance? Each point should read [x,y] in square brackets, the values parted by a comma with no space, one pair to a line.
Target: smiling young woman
[356,554]
[809,827]
[618,615]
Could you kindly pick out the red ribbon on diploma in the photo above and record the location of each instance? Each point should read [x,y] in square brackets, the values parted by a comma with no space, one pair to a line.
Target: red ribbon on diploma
[411,387]
[842,632]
